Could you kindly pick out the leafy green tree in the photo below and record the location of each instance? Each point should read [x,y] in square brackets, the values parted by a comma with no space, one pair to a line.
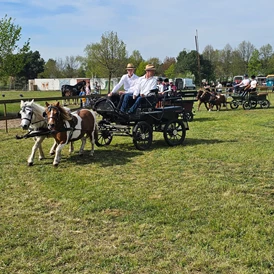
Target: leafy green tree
[187,62]
[135,58]
[11,54]
[225,63]
[266,52]
[254,64]
[108,57]
[33,65]
[157,64]
[166,66]
[245,50]
[51,70]
[170,72]
[140,71]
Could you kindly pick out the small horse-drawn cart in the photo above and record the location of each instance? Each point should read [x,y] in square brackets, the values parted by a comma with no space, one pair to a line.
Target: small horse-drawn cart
[170,120]
[251,100]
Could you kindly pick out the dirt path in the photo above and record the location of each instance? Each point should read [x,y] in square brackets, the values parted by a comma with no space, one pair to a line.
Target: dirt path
[11,123]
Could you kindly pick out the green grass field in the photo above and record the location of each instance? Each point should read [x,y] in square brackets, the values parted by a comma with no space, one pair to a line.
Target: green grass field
[203,207]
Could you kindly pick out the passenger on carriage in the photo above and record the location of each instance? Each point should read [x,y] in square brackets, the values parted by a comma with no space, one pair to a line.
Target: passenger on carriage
[163,94]
[127,81]
[173,88]
[252,87]
[239,88]
[142,89]
[219,88]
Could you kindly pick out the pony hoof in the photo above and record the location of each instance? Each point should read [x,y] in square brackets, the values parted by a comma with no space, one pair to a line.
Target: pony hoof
[51,153]
[30,164]
[55,165]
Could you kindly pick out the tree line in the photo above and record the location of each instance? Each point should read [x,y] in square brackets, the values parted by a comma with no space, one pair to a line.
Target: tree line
[108,58]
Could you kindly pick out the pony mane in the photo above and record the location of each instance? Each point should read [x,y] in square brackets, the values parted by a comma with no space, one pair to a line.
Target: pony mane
[65,115]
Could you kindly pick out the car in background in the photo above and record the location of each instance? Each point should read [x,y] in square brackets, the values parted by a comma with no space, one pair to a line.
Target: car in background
[238,79]
[184,83]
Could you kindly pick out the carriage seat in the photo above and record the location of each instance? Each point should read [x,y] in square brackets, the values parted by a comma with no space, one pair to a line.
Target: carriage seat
[149,102]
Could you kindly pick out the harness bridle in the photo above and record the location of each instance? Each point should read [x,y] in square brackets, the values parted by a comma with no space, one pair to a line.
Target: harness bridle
[23,109]
[50,108]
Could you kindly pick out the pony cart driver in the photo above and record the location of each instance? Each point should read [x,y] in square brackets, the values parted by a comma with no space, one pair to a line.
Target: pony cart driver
[142,90]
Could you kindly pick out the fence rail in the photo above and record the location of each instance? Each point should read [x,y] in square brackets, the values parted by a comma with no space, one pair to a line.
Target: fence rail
[7,117]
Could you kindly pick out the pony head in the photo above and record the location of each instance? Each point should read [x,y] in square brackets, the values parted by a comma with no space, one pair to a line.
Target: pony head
[56,114]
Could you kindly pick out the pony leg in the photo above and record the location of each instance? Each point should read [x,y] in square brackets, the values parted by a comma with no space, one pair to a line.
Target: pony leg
[199,105]
[71,147]
[84,140]
[92,137]
[207,107]
[37,145]
[53,148]
[57,157]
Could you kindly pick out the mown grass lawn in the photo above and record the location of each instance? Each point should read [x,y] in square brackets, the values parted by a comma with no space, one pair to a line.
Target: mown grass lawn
[204,207]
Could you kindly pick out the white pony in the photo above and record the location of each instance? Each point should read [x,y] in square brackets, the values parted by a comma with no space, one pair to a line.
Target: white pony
[32,119]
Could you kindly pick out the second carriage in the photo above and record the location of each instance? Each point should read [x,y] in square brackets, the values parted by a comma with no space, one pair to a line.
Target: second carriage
[251,100]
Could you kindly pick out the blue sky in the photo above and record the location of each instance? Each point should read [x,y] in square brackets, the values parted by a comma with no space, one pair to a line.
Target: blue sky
[156,28]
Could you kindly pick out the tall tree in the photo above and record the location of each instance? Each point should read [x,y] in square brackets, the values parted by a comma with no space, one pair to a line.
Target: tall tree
[254,64]
[266,52]
[11,54]
[109,56]
[34,65]
[51,70]
[245,50]
[170,72]
[135,58]
[168,61]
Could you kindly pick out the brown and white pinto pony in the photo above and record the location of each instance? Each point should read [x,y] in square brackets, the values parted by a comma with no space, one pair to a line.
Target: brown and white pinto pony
[68,128]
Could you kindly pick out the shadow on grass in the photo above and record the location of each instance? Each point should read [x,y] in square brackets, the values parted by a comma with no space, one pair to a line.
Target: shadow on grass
[105,158]
[190,142]
[202,119]
[193,141]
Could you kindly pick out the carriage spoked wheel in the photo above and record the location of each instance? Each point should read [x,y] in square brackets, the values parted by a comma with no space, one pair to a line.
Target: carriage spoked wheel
[189,116]
[234,104]
[246,105]
[174,132]
[104,134]
[265,104]
[253,103]
[142,135]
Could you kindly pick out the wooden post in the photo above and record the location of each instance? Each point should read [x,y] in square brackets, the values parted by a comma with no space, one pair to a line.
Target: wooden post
[5,115]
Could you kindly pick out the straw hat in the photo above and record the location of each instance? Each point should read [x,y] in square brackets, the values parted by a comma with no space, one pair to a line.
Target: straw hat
[130,66]
[150,67]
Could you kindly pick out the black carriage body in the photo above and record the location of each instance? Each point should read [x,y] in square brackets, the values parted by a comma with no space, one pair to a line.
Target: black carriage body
[141,125]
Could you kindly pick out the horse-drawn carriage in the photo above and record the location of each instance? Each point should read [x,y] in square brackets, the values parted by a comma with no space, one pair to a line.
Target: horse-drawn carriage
[250,100]
[170,120]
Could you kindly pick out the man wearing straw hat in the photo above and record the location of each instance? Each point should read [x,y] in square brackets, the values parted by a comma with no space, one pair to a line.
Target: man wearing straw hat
[142,89]
[128,81]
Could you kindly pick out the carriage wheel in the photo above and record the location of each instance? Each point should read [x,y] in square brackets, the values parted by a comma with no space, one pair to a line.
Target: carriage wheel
[142,135]
[174,132]
[253,103]
[104,135]
[234,104]
[247,105]
[189,116]
[265,104]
